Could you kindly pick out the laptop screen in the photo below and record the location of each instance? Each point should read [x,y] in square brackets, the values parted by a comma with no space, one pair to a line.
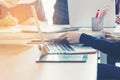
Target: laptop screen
[82,11]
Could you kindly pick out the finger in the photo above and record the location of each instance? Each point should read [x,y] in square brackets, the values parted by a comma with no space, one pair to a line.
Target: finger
[106,32]
[55,40]
[118,21]
[108,38]
[112,35]
[71,40]
[107,35]
[63,36]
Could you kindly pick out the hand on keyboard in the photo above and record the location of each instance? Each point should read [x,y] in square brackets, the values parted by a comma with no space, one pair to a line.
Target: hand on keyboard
[59,46]
[65,41]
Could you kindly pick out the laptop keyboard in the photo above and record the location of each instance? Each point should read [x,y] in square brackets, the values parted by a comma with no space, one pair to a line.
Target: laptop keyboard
[58,48]
[64,47]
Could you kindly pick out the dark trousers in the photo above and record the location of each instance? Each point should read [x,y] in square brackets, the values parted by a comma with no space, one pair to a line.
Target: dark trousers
[108,72]
[117,6]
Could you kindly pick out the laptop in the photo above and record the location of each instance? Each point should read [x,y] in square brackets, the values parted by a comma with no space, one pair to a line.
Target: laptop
[60,57]
[82,11]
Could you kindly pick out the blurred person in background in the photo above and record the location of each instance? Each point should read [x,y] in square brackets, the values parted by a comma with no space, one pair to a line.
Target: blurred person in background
[13,13]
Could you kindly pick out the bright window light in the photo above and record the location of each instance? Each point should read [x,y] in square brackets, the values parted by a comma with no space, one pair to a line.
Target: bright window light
[49,10]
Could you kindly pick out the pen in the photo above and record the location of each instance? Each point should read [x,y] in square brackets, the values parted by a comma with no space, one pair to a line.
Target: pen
[97,13]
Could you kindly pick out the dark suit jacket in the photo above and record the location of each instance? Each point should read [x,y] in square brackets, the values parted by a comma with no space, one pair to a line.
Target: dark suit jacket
[109,47]
[105,71]
[117,6]
[61,15]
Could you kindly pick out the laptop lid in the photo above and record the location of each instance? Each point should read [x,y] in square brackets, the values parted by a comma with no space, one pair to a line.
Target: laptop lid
[82,11]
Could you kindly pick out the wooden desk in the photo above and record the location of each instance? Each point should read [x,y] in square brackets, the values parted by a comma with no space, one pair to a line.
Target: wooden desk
[18,62]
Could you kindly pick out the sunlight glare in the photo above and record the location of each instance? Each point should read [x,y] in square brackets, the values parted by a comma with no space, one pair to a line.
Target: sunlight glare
[49,9]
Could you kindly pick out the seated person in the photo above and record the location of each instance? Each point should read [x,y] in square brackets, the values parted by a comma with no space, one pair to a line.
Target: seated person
[109,45]
[110,59]
[20,13]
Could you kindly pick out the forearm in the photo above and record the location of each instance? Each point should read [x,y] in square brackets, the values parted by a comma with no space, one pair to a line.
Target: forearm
[108,47]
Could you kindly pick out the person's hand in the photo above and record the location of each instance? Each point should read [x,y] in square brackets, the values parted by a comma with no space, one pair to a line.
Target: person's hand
[117,19]
[9,3]
[9,20]
[110,36]
[72,37]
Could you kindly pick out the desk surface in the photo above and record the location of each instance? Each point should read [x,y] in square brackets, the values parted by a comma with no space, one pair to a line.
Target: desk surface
[18,61]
